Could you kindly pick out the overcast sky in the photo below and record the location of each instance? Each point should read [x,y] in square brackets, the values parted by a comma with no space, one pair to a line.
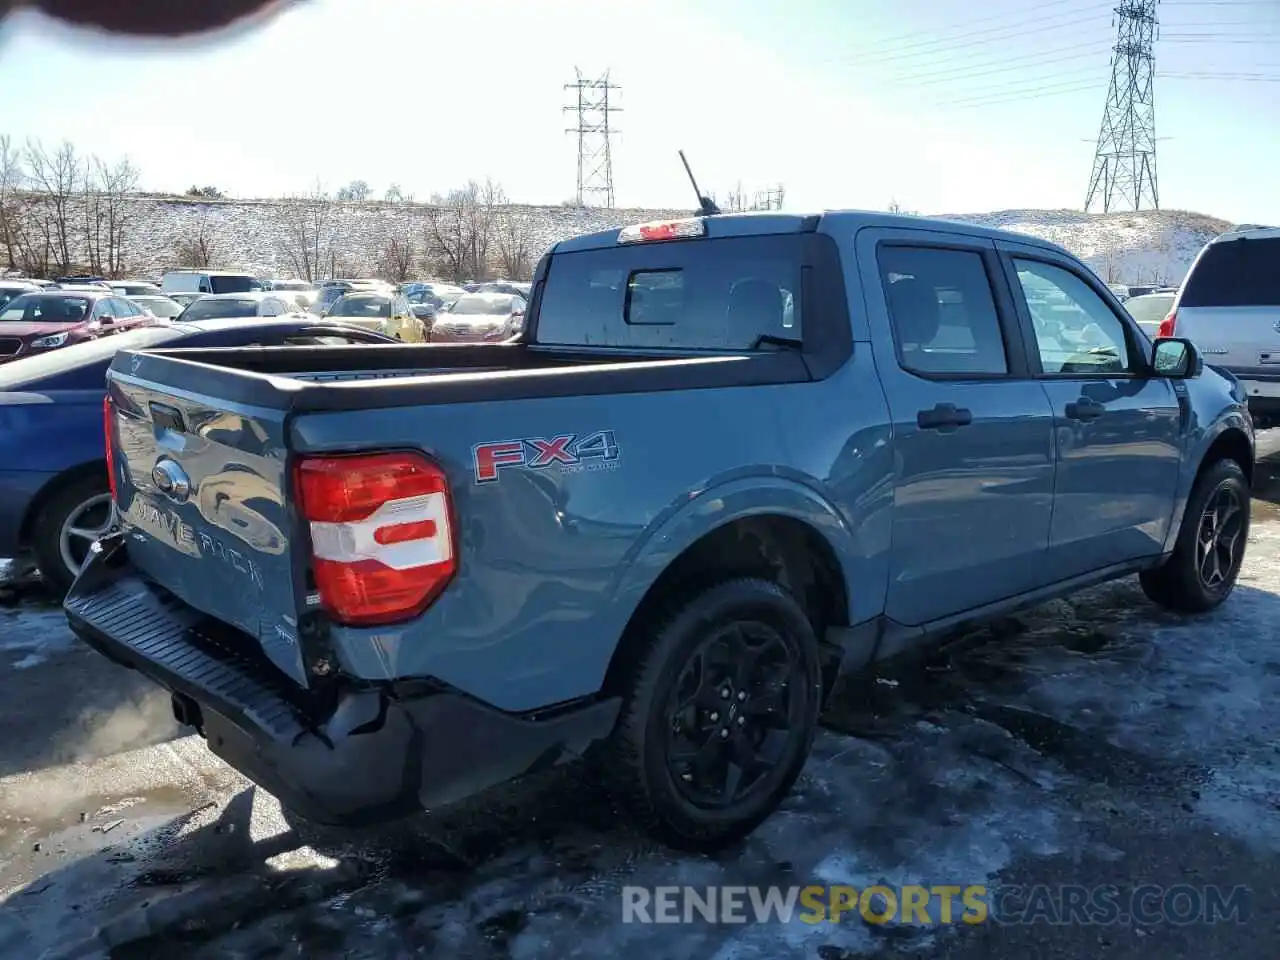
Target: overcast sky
[848,103]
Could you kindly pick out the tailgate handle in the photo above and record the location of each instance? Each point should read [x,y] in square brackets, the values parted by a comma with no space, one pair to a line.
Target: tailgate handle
[163,415]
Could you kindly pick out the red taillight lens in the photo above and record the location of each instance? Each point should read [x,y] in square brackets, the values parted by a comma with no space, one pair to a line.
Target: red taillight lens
[108,422]
[381,534]
[1167,326]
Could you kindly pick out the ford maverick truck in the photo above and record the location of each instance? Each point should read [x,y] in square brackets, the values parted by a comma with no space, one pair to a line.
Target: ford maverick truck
[730,458]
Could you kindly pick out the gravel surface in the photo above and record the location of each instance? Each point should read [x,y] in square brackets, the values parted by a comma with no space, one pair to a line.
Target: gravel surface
[1088,742]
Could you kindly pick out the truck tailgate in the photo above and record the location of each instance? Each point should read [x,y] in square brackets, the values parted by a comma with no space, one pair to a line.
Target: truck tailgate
[201,487]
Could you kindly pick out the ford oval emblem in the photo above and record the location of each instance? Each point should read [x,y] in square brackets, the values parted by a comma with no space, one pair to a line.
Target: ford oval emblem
[171,480]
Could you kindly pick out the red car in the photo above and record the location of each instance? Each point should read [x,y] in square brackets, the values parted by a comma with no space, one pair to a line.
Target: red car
[46,320]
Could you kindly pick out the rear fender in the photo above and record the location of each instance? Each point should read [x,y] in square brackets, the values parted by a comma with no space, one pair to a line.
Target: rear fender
[686,523]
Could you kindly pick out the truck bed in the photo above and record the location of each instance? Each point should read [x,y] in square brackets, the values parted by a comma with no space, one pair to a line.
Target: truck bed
[356,377]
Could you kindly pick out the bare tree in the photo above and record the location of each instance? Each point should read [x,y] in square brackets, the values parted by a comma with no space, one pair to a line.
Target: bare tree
[1110,263]
[200,248]
[116,184]
[306,233]
[396,259]
[12,177]
[737,201]
[357,191]
[489,197]
[54,177]
[446,234]
[513,247]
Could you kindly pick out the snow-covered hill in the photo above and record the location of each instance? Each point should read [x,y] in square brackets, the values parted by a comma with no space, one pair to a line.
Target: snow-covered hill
[1154,246]
[1146,247]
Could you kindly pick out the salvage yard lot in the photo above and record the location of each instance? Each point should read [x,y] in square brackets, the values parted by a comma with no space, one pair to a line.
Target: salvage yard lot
[1090,741]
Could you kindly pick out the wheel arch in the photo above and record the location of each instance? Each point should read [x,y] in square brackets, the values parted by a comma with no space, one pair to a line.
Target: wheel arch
[1231,443]
[794,538]
[52,488]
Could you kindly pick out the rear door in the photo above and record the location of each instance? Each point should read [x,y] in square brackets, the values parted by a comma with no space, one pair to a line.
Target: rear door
[1118,427]
[201,487]
[1230,306]
[973,433]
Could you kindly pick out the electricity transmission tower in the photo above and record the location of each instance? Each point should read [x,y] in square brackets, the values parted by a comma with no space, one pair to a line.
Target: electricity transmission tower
[1124,165]
[769,198]
[595,149]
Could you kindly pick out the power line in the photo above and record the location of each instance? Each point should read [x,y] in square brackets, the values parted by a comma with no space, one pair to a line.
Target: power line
[595,136]
[1270,38]
[1021,94]
[997,35]
[1241,77]
[963,23]
[1124,163]
[949,76]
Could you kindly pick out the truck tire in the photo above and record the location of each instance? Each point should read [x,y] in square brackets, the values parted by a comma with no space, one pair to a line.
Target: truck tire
[718,717]
[60,531]
[1201,572]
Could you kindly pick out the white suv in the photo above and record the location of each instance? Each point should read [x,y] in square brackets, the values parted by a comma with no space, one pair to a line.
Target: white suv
[1229,304]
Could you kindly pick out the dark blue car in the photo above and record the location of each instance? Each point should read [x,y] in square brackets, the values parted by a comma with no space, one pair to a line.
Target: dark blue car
[53,483]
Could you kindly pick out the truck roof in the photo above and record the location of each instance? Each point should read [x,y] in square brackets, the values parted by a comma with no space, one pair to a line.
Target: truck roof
[761,223]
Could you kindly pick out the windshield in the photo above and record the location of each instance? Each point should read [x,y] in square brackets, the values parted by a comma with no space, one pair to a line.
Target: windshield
[13,376]
[361,307]
[482,306]
[9,294]
[234,283]
[1150,309]
[160,306]
[210,308]
[43,308]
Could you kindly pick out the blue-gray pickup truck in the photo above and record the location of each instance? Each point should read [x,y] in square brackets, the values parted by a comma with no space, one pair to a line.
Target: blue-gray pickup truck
[732,458]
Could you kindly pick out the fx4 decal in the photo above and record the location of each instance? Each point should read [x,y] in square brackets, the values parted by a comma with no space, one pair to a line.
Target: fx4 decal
[572,452]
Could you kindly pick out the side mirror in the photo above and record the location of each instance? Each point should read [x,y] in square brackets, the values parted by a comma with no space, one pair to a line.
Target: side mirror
[1176,358]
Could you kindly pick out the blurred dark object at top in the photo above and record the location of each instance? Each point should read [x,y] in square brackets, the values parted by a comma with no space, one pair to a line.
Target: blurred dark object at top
[147,18]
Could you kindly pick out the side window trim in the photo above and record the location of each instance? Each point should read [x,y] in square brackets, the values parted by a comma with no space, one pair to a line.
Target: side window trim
[1011,329]
[1140,358]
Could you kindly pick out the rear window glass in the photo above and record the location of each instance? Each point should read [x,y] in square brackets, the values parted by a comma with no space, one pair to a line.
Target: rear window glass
[695,294]
[233,284]
[210,309]
[1239,273]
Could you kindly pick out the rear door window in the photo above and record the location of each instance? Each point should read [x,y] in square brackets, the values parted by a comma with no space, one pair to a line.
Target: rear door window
[943,311]
[1238,273]
[713,294]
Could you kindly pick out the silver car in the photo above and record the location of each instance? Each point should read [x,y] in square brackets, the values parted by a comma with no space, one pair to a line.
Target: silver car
[1229,305]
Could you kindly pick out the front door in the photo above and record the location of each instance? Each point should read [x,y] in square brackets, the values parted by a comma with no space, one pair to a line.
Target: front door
[1118,428]
[972,432]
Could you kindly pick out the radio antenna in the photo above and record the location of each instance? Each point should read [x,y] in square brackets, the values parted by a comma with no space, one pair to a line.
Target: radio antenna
[706,206]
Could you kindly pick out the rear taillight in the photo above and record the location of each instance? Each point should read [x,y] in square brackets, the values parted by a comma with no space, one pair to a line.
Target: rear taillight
[1167,325]
[381,534]
[108,421]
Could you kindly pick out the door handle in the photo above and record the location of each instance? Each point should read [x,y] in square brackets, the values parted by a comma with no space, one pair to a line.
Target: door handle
[1085,409]
[944,415]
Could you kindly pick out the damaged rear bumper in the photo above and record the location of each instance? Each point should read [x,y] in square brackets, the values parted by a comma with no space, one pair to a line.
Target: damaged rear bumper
[375,756]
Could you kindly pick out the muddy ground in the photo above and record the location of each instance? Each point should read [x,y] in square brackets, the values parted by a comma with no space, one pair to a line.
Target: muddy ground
[1096,741]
